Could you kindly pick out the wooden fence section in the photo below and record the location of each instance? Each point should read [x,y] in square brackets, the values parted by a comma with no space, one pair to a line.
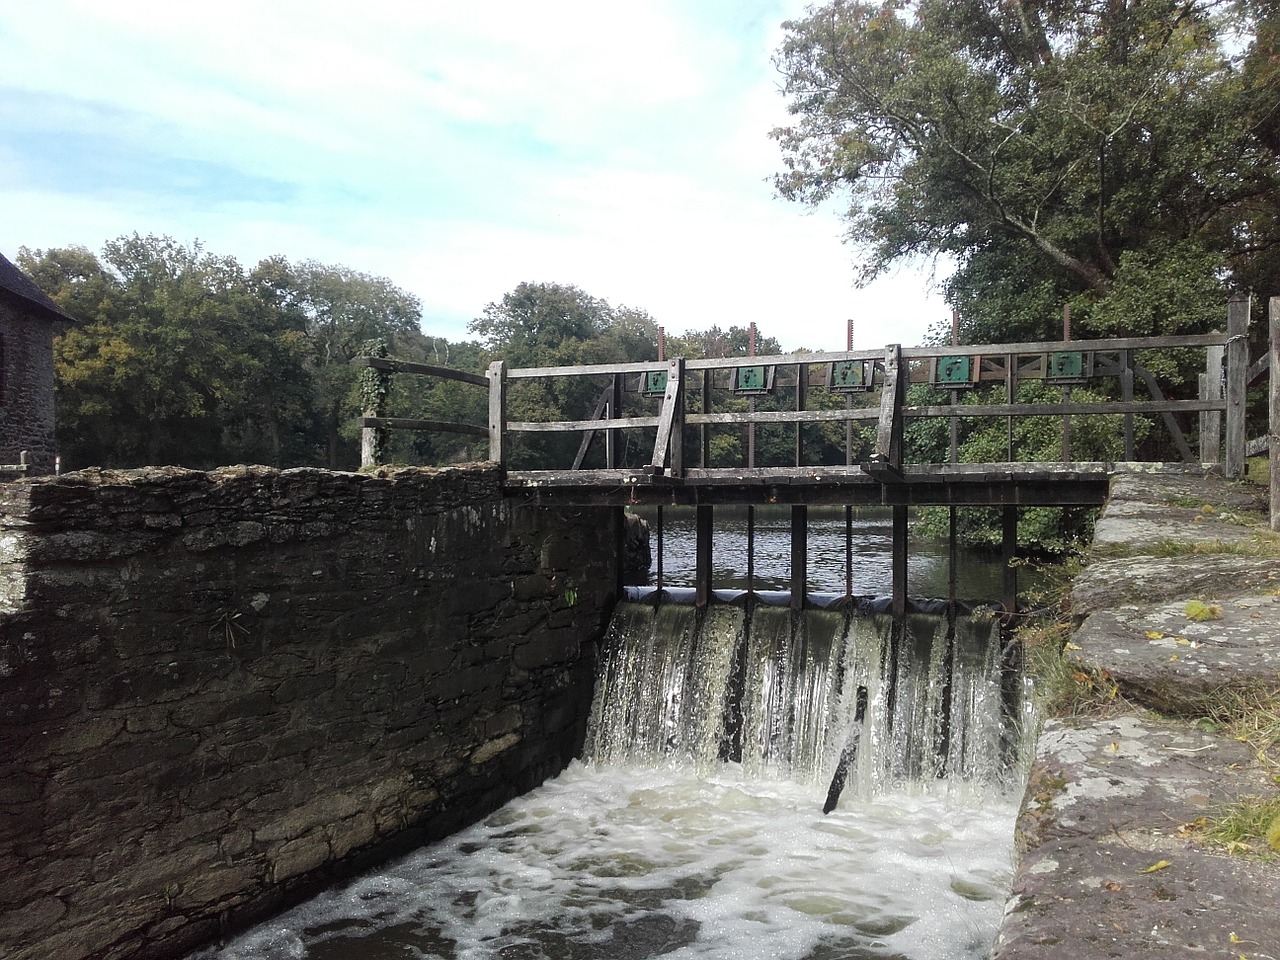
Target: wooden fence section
[669,400]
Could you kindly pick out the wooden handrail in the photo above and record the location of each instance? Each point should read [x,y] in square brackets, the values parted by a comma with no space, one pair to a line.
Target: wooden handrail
[890,370]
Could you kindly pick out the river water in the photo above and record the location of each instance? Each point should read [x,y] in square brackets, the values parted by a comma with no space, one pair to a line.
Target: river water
[652,845]
[978,574]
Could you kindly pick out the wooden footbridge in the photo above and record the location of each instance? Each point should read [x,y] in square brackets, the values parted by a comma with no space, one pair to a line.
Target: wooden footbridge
[675,407]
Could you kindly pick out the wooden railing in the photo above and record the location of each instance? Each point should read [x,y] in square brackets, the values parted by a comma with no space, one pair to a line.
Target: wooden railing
[671,385]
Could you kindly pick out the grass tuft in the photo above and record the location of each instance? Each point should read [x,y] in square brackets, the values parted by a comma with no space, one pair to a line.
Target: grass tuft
[1064,687]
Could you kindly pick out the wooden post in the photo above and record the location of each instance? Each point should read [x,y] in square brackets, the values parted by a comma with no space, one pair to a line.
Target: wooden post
[799,555]
[1237,384]
[498,412]
[613,437]
[660,558]
[952,565]
[954,449]
[1009,544]
[668,445]
[704,436]
[1126,394]
[848,551]
[848,405]
[886,459]
[1211,420]
[751,401]
[375,388]
[802,384]
[899,573]
[702,576]
[1066,391]
[1273,418]
[1010,390]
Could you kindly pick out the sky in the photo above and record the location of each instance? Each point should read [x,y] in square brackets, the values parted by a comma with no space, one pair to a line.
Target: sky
[457,149]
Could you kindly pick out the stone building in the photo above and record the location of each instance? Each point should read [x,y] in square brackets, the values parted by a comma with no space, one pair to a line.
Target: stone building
[28,322]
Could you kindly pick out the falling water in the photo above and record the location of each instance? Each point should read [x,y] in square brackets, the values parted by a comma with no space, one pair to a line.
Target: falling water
[693,827]
[774,690]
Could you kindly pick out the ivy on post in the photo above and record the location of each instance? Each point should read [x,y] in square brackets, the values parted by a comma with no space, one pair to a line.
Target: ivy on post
[375,387]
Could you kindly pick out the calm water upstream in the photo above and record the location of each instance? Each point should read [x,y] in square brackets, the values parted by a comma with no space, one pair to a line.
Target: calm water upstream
[650,845]
[978,574]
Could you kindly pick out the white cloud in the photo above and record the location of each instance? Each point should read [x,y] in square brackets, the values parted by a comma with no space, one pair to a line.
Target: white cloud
[457,149]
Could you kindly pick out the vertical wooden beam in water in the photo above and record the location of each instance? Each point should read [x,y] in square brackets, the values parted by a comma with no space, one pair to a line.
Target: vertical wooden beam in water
[942,741]
[899,573]
[658,593]
[751,548]
[848,551]
[1237,384]
[1009,542]
[702,576]
[799,555]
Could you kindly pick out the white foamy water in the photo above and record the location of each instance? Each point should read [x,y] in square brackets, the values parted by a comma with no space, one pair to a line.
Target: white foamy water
[654,846]
[618,863]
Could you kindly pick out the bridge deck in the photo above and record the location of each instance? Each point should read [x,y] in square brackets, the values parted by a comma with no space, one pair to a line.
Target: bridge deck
[982,484]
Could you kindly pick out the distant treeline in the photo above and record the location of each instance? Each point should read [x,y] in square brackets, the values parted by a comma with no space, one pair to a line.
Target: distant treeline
[182,356]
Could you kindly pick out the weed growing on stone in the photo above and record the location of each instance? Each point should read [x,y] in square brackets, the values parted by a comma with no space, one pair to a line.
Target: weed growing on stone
[1063,685]
[1260,544]
[1249,827]
[1250,715]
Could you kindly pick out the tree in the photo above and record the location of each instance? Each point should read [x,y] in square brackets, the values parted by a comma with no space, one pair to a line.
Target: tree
[336,311]
[1060,147]
[176,359]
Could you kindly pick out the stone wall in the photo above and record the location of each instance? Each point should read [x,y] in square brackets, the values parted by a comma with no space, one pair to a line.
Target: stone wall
[26,388]
[221,690]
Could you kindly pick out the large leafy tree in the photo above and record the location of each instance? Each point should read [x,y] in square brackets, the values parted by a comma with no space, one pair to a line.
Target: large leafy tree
[1061,151]
[176,358]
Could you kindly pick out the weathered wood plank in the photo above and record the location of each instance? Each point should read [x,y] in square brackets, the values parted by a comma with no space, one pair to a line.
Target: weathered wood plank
[570,426]
[407,423]
[1237,364]
[392,365]
[908,353]
[497,411]
[1060,409]
[670,423]
[783,416]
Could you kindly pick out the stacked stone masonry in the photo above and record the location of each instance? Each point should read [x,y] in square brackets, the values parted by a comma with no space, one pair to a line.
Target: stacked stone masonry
[219,691]
[26,389]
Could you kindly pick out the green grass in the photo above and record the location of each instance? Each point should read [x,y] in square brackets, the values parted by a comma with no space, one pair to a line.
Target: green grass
[1259,544]
[1064,687]
[1249,827]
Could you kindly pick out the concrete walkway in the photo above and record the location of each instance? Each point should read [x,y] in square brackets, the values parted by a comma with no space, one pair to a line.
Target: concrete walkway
[1106,867]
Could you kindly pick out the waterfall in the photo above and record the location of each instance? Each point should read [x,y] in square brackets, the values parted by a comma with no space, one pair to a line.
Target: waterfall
[775,690]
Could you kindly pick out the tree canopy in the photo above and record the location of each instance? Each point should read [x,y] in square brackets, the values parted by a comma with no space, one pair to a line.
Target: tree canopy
[1079,151]
[184,357]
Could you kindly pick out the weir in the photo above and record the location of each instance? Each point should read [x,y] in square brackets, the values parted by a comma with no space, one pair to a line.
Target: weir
[776,691]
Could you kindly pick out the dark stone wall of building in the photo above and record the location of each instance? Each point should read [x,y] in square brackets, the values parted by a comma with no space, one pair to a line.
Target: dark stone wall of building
[26,389]
[221,690]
